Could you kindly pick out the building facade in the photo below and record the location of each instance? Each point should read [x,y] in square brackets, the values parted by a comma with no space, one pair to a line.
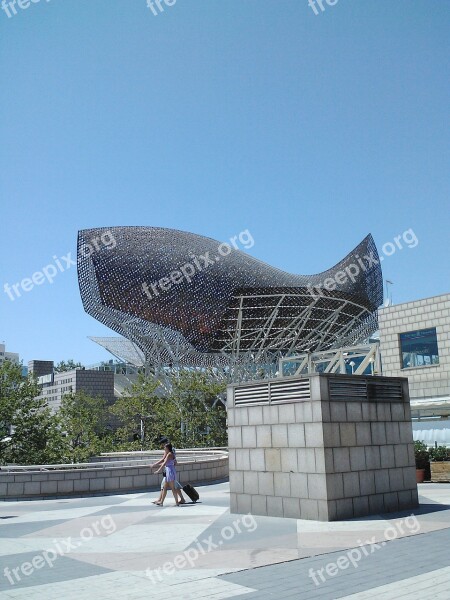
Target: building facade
[415,343]
[40,367]
[54,386]
[12,356]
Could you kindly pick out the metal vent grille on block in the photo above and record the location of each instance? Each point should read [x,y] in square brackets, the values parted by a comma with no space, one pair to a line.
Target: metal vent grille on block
[274,392]
[289,391]
[355,389]
[347,389]
[254,394]
[385,391]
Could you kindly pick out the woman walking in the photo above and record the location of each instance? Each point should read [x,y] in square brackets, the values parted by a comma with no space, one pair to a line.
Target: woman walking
[168,464]
[178,487]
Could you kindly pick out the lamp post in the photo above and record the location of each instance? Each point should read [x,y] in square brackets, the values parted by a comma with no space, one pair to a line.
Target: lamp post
[388,299]
[143,419]
[352,365]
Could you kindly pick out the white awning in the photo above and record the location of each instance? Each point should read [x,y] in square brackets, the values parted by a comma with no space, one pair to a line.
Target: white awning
[442,402]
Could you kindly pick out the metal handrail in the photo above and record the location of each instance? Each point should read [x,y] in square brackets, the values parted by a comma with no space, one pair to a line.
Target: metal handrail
[117,464]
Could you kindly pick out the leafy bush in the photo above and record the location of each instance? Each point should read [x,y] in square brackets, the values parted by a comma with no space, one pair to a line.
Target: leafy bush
[422,455]
[439,454]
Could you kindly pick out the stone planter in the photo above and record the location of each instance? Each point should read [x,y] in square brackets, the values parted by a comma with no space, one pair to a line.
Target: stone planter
[440,471]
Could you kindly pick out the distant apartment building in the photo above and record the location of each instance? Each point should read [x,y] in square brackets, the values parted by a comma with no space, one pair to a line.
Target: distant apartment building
[12,356]
[40,367]
[53,386]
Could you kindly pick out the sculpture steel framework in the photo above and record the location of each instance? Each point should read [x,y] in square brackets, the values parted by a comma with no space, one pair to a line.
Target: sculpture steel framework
[228,311]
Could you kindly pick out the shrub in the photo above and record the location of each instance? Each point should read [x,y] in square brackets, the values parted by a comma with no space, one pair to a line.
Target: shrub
[439,454]
[422,455]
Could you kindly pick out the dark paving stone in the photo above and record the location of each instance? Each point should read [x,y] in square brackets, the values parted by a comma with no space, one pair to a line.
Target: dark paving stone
[261,537]
[117,510]
[397,560]
[18,530]
[79,502]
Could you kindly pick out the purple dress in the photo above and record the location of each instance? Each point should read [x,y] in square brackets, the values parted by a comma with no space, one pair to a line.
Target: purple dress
[171,474]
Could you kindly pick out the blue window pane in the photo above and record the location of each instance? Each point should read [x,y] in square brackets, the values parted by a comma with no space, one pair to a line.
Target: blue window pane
[419,348]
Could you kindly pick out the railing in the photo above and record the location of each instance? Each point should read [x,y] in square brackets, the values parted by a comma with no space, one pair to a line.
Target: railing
[183,457]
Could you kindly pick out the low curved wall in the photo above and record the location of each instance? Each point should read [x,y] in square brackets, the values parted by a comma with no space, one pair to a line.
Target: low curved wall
[127,474]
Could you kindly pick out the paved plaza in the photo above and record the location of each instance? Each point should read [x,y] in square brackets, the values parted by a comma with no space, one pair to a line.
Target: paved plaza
[123,546]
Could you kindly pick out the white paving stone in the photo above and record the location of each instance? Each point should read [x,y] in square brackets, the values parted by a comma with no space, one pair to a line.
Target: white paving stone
[374,524]
[129,587]
[159,537]
[56,515]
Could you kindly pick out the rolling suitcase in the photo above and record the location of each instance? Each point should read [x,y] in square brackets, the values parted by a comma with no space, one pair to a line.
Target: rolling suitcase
[190,491]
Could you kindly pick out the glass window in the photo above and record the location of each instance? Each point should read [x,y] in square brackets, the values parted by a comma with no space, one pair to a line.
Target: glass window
[419,348]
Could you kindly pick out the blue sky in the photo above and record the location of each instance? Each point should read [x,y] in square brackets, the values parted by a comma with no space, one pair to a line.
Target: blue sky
[217,116]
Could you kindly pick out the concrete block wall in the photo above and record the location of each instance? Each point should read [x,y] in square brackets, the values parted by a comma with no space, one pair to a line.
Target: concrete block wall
[322,459]
[104,479]
[425,381]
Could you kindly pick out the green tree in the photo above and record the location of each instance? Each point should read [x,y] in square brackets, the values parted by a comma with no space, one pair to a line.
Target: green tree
[11,391]
[63,366]
[141,414]
[30,432]
[196,396]
[36,437]
[84,420]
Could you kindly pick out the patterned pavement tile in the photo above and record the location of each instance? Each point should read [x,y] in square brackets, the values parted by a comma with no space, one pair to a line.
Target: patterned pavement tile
[124,546]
